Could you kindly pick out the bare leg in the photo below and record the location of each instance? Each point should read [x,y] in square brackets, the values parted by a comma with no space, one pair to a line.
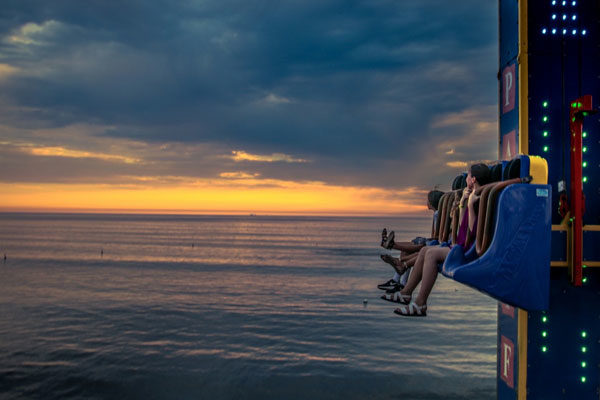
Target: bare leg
[416,273]
[397,263]
[410,259]
[407,247]
[430,272]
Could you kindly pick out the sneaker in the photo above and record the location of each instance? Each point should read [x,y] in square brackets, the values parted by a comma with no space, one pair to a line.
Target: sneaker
[387,285]
[397,287]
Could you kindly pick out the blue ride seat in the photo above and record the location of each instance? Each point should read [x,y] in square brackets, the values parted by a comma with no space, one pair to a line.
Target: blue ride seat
[511,259]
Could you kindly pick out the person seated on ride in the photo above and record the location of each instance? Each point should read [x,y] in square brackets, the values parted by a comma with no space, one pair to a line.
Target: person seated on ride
[408,250]
[425,270]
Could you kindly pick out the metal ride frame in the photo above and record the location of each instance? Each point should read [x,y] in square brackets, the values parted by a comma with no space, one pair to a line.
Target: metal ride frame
[549,74]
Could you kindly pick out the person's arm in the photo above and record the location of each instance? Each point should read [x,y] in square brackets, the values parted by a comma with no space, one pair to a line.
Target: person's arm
[463,202]
[473,198]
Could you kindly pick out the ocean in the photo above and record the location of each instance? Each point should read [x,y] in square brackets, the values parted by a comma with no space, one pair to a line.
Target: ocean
[227,307]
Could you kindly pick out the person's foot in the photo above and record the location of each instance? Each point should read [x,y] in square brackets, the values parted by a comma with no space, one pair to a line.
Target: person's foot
[388,243]
[399,266]
[383,236]
[412,310]
[397,287]
[397,297]
[387,285]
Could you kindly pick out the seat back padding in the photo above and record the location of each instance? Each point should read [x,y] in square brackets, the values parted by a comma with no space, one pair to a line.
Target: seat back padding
[442,216]
[486,221]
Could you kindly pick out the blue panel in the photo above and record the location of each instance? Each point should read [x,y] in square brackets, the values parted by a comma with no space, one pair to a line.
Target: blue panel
[515,268]
[508,328]
[557,372]
[559,246]
[591,247]
[509,50]
[509,31]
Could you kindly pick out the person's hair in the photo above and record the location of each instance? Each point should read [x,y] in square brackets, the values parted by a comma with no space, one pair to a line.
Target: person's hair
[481,172]
[433,197]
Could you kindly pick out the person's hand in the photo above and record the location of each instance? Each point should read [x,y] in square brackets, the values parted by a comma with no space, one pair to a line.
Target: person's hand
[466,193]
[473,198]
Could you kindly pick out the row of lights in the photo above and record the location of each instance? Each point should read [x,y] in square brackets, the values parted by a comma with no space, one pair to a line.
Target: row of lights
[583,351]
[584,163]
[544,331]
[564,17]
[584,149]
[583,348]
[546,133]
[545,120]
[564,31]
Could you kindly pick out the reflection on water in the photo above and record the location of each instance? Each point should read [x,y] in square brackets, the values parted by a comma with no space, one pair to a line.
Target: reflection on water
[226,307]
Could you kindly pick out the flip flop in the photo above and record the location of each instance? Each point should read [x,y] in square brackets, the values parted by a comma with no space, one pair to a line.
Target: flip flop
[412,310]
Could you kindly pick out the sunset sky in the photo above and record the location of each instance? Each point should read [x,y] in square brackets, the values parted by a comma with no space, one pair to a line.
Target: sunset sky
[227,106]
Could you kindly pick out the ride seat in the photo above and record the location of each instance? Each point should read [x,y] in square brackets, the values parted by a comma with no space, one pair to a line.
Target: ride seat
[514,239]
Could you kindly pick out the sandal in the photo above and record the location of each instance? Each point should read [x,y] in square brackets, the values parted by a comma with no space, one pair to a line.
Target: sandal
[397,297]
[399,266]
[383,236]
[412,310]
[388,243]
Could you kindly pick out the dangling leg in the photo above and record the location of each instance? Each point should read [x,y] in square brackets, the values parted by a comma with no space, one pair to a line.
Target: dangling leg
[430,272]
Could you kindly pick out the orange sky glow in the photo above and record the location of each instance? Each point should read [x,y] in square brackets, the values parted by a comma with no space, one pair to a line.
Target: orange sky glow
[211,197]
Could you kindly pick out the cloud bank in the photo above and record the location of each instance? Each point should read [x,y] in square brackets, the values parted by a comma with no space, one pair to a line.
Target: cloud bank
[360,94]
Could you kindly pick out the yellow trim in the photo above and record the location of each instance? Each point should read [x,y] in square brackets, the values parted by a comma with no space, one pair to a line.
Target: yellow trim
[592,264]
[523,149]
[559,264]
[565,220]
[538,169]
[522,345]
[522,59]
[594,228]
[561,227]
[569,246]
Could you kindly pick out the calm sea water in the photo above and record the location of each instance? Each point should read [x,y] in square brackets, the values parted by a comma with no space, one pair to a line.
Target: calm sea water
[222,307]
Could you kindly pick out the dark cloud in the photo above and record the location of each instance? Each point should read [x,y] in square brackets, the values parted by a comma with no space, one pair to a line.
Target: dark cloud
[356,87]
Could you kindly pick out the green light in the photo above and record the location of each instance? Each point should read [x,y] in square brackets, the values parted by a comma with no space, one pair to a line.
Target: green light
[545,118]
[545,104]
[583,379]
[584,149]
[579,105]
[574,105]
[584,266]
[584,164]
[544,319]
[583,364]
[544,349]
[583,349]
[584,134]
[544,333]
[545,133]
[584,179]
[573,119]
[584,280]
[546,148]
[585,114]
[583,334]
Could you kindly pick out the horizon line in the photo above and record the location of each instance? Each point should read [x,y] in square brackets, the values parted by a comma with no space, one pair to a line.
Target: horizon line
[119,211]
